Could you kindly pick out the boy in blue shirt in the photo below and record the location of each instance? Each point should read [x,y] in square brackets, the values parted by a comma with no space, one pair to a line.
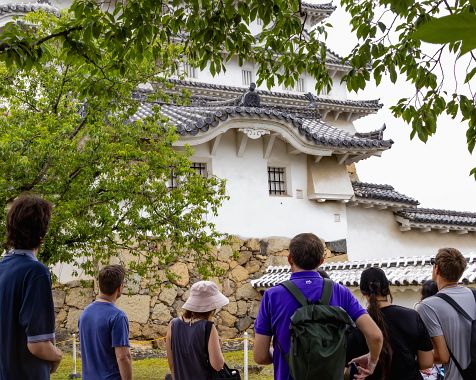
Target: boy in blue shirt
[27,317]
[104,331]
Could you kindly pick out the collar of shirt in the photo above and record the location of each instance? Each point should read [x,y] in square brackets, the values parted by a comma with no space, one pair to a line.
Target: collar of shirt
[23,252]
[305,274]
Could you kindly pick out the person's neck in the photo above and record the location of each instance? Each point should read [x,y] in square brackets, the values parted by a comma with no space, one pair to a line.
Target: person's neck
[296,269]
[441,283]
[107,298]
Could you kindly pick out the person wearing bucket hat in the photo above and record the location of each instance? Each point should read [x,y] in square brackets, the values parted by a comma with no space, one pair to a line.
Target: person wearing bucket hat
[187,353]
[407,346]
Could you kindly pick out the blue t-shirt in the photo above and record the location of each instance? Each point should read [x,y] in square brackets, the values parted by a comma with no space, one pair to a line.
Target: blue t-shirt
[27,315]
[278,306]
[102,327]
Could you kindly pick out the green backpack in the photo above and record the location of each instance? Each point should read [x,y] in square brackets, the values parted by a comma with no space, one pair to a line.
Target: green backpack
[318,337]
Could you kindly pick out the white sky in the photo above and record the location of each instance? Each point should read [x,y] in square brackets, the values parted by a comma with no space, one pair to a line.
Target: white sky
[435,173]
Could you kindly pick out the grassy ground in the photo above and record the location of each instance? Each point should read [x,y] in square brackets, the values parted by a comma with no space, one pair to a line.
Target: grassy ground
[155,369]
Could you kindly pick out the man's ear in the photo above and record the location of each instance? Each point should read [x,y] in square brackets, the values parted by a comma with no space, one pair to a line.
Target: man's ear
[320,262]
[290,260]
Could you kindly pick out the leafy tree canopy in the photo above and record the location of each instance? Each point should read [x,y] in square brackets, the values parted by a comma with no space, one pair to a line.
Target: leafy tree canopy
[66,133]
[390,35]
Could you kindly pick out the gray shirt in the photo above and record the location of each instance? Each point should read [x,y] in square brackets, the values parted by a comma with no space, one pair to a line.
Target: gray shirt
[441,319]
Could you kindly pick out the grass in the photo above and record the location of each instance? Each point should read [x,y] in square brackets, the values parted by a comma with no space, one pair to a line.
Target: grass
[155,369]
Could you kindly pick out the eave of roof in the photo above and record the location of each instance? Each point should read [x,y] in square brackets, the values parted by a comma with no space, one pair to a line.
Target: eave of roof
[193,120]
[400,271]
[369,193]
[16,8]
[317,12]
[363,107]
[426,219]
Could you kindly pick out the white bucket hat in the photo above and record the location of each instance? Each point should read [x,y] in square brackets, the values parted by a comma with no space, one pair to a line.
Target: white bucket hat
[205,296]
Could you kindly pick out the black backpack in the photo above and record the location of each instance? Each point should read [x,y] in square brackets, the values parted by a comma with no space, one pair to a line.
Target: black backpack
[318,337]
[470,372]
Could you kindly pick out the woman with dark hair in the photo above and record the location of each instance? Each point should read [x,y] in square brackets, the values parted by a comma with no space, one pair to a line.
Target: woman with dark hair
[192,340]
[428,289]
[407,346]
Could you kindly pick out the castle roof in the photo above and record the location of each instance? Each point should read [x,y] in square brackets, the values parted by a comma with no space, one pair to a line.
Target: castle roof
[400,271]
[370,192]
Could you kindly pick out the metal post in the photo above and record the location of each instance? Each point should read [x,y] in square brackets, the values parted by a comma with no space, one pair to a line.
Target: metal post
[75,374]
[245,361]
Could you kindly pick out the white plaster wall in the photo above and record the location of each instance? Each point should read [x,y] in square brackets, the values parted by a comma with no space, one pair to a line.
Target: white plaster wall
[251,211]
[375,234]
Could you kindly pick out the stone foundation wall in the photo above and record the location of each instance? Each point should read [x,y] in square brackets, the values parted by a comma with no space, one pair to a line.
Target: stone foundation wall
[149,311]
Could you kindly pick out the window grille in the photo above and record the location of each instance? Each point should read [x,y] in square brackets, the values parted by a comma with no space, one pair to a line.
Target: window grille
[300,85]
[200,168]
[172,182]
[246,77]
[259,21]
[277,181]
[188,70]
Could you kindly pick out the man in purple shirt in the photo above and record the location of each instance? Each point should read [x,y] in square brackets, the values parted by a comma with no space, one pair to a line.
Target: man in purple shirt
[306,254]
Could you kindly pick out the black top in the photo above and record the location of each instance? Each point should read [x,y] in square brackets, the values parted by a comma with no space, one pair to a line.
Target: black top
[26,315]
[407,334]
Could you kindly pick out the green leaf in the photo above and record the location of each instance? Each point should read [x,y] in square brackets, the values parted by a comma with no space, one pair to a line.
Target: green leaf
[449,29]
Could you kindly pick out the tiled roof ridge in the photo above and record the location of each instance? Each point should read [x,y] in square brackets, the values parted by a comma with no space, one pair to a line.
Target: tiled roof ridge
[372,103]
[374,185]
[324,7]
[26,7]
[439,212]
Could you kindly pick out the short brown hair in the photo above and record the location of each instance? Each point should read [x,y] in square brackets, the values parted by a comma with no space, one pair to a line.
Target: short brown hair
[451,263]
[306,251]
[27,222]
[110,278]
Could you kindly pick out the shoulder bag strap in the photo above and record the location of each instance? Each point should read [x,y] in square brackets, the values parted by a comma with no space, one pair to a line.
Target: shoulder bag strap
[455,305]
[208,331]
[460,311]
[326,292]
[296,293]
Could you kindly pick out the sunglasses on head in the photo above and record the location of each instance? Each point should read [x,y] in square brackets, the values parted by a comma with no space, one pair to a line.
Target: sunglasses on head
[432,261]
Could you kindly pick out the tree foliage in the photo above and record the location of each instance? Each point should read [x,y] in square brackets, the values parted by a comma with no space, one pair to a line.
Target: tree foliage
[390,36]
[66,133]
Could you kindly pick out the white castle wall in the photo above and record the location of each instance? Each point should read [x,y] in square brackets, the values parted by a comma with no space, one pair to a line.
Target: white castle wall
[375,234]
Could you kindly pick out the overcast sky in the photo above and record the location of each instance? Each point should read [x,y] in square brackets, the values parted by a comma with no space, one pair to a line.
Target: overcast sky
[435,173]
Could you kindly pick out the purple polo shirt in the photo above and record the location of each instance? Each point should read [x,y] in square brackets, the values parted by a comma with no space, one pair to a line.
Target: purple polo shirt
[278,305]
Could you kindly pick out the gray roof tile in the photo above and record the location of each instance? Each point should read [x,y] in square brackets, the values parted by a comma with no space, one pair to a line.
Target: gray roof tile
[373,191]
[434,216]
[191,120]
[401,271]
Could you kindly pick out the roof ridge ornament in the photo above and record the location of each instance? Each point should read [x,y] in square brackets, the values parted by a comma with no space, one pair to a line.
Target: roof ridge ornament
[251,98]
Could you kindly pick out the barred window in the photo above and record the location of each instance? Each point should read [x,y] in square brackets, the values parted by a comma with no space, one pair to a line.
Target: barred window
[277,181]
[172,182]
[200,168]
[259,21]
[246,77]
[188,70]
[300,85]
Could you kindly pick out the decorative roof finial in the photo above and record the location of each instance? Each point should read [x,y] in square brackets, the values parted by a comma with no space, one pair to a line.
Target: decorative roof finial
[250,97]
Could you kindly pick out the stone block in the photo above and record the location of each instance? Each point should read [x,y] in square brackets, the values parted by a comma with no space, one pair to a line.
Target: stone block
[239,274]
[133,284]
[150,331]
[61,317]
[223,266]
[182,275]
[161,313]
[242,308]
[246,291]
[168,294]
[227,319]
[79,297]
[244,257]
[228,287]
[253,266]
[72,320]
[134,330]
[226,332]
[254,309]
[244,323]
[276,244]
[233,264]
[232,307]
[276,261]
[253,245]
[58,298]
[136,307]
[225,253]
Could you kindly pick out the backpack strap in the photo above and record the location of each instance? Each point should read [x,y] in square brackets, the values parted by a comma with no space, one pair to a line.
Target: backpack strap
[326,292]
[296,293]
[460,311]
[455,305]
